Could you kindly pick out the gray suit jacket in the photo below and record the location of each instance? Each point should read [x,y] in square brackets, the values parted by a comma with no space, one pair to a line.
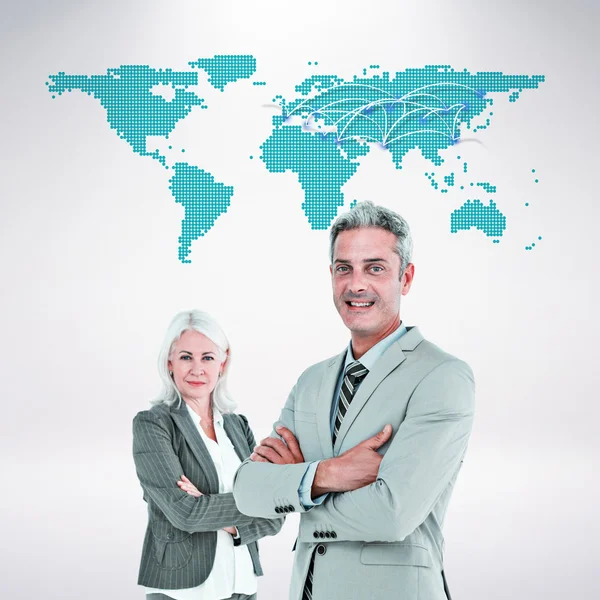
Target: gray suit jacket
[181,537]
[383,540]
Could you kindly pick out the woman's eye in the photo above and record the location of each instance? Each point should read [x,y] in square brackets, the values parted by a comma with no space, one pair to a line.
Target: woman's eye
[209,358]
[185,357]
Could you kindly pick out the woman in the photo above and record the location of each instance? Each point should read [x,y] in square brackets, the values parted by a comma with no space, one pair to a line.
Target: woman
[186,448]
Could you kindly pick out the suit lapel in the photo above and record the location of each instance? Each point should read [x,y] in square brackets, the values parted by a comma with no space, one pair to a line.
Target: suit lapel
[324,399]
[185,424]
[392,358]
[238,439]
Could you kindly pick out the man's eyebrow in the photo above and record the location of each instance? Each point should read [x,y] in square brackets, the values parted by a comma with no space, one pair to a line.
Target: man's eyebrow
[365,260]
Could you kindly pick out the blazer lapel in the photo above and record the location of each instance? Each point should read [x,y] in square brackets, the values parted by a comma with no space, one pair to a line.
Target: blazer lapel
[392,358]
[237,437]
[183,420]
[324,400]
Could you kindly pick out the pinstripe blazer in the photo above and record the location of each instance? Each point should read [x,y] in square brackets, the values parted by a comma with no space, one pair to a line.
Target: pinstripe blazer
[181,537]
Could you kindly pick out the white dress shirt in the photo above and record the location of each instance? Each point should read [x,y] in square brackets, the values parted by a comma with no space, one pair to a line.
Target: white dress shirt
[232,572]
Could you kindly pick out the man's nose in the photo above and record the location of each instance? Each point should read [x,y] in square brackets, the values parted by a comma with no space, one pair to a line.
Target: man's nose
[358,284]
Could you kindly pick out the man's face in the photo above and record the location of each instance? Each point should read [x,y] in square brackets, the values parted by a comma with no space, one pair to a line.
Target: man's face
[366,281]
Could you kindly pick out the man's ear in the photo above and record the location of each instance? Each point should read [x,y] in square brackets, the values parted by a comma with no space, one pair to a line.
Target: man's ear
[407,278]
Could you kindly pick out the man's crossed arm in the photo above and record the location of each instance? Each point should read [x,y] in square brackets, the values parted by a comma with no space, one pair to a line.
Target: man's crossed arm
[349,471]
[374,498]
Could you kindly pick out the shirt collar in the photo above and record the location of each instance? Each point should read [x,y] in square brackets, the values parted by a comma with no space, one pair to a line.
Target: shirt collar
[369,358]
[217,416]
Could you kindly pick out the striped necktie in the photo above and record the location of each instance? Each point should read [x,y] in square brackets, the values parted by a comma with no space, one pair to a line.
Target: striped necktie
[354,374]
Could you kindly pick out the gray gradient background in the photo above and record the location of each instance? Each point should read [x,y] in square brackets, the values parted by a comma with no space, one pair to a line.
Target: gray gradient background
[90,277]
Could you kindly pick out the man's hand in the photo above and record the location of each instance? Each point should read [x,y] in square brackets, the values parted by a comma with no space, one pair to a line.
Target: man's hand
[277,452]
[353,469]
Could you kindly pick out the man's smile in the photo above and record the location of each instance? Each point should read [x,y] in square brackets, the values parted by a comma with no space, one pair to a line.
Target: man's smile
[352,305]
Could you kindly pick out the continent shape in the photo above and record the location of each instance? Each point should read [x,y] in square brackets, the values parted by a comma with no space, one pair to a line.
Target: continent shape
[132,110]
[226,68]
[487,219]
[321,167]
[203,198]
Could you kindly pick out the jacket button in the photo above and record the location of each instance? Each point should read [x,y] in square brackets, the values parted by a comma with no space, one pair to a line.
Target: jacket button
[277,509]
[333,534]
[321,550]
[316,534]
[291,508]
[327,534]
[170,536]
[321,534]
[286,509]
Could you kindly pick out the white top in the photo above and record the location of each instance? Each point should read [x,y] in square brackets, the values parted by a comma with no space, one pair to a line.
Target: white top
[232,572]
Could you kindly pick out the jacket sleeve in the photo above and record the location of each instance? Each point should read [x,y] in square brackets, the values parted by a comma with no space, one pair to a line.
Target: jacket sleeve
[259,527]
[423,457]
[261,488]
[158,469]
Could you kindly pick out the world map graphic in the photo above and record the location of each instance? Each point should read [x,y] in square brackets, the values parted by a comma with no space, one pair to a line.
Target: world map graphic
[320,135]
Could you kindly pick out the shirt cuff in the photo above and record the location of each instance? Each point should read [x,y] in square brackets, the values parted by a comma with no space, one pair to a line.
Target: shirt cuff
[306,485]
[237,540]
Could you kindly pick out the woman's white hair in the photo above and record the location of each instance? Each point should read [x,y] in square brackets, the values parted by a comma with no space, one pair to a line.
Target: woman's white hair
[194,320]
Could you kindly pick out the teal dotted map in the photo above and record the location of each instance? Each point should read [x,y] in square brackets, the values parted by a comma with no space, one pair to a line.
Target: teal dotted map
[320,135]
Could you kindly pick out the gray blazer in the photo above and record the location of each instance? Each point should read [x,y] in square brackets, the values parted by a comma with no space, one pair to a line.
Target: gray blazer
[181,537]
[383,540]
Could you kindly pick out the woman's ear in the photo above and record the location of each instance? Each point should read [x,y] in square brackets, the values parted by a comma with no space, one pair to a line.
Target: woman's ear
[224,364]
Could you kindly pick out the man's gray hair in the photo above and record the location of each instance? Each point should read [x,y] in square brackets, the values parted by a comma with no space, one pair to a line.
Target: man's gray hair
[194,320]
[367,214]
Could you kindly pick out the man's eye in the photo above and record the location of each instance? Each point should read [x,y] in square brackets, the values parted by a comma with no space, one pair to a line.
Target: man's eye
[342,269]
[376,269]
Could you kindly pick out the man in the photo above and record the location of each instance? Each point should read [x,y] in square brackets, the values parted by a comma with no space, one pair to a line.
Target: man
[370,442]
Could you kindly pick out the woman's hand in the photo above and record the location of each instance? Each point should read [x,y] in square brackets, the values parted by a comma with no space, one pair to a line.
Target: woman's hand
[187,486]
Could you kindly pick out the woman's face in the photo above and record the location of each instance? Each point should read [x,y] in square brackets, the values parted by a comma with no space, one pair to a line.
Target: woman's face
[195,365]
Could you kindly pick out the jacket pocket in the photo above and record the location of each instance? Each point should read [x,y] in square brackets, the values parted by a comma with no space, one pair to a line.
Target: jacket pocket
[395,554]
[305,417]
[172,548]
